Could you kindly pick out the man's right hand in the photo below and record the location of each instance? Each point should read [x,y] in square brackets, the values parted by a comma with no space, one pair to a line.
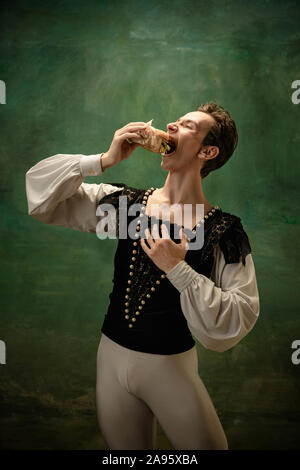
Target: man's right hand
[120,148]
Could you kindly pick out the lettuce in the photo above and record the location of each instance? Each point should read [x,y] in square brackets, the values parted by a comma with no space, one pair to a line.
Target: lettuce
[164,146]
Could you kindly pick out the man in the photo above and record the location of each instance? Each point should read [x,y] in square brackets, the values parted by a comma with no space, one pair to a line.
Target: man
[147,364]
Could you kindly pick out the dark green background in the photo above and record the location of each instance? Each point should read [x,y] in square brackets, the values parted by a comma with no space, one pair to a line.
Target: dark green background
[76,71]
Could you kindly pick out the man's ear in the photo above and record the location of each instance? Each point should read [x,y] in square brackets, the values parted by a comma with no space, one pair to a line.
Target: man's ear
[208,151]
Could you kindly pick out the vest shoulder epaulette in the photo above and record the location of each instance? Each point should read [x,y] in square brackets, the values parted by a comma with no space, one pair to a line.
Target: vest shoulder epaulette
[125,190]
[226,230]
[234,241]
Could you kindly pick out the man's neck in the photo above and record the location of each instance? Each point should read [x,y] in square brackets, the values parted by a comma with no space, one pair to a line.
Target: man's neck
[179,191]
[182,189]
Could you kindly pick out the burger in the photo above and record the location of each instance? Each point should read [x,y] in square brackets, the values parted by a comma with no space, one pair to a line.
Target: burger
[155,140]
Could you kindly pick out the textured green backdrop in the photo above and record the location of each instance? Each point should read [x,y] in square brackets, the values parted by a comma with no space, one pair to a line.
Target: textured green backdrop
[76,71]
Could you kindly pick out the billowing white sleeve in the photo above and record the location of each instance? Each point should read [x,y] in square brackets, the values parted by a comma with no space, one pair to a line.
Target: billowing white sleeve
[220,311]
[57,195]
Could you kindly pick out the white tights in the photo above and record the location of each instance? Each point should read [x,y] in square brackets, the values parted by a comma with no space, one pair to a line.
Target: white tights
[134,389]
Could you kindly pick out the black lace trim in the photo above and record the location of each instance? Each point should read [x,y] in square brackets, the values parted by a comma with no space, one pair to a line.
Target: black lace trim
[113,198]
[235,244]
[222,228]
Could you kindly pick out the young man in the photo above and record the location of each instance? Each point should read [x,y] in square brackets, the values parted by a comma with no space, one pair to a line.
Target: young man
[163,292]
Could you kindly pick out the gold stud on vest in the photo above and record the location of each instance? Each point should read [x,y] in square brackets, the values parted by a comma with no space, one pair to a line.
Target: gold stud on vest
[134,252]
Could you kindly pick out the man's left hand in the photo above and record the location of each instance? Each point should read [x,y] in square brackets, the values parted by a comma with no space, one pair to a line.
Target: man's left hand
[164,252]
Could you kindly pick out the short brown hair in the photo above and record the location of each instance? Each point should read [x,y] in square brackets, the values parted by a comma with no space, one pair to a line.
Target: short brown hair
[223,134]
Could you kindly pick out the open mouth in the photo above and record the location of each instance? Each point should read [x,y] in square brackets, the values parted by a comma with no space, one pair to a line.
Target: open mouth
[169,148]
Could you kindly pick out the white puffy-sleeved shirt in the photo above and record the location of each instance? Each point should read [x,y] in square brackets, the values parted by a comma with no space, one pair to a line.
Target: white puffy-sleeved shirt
[219,310]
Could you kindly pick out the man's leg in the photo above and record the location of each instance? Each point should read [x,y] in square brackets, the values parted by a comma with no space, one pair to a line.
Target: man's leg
[126,421]
[177,396]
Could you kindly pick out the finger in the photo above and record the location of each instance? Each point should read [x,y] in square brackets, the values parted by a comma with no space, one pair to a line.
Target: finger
[140,127]
[165,231]
[184,239]
[134,125]
[136,129]
[182,234]
[128,135]
[149,238]
[155,233]
[134,144]
[137,124]
[144,246]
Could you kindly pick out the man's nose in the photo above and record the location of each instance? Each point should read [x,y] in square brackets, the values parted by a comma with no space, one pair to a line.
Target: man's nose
[172,127]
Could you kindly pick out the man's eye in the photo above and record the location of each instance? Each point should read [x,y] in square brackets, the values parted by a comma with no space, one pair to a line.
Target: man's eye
[185,125]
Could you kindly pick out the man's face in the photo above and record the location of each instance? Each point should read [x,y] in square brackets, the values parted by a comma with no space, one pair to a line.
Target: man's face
[188,133]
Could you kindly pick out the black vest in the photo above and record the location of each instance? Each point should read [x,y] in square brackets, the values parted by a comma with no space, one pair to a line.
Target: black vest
[161,327]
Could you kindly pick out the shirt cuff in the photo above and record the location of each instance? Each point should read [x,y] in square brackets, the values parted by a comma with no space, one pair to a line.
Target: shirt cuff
[90,165]
[182,275]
